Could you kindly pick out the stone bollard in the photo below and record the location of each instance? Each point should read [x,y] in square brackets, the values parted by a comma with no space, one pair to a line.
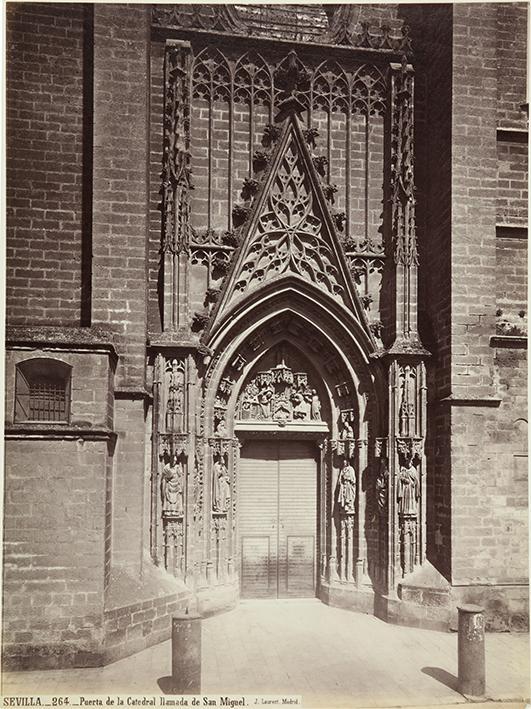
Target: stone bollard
[186,653]
[471,651]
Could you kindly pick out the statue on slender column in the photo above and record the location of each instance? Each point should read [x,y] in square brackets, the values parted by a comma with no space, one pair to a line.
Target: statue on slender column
[172,487]
[408,507]
[408,489]
[221,487]
[346,495]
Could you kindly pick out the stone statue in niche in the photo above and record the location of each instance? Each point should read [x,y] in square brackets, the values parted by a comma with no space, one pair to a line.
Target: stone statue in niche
[407,423]
[174,403]
[408,489]
[346,495]
[221,429]
[382,483]
[172,487]
[221,487]
[315,407]
[265,395]
[346,421]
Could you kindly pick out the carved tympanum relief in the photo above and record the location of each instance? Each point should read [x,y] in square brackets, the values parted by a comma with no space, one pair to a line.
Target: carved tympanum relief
[280,394]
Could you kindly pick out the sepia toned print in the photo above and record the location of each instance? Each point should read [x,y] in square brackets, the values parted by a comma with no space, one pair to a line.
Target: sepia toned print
[266,415]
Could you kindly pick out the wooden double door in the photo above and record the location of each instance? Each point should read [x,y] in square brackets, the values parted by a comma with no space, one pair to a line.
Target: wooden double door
[277,518]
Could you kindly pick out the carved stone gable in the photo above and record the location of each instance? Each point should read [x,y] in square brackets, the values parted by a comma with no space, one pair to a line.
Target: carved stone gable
[289,231]
[289,237]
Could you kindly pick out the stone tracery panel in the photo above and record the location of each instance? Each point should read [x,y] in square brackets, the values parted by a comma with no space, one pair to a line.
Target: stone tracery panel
[289,234]
[234,97]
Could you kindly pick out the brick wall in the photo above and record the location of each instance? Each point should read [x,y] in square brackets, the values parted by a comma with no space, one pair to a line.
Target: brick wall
[511,286]
[474,189]
[511,62]
[155,195]
[511,204]
[473,270]
[44,162]
[128,483]
[54,528]
[120,181]
[431,28]
[489,496]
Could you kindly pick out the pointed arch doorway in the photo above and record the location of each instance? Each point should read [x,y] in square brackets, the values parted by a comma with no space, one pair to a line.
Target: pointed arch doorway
[292,374]
[281,412]
[278,518]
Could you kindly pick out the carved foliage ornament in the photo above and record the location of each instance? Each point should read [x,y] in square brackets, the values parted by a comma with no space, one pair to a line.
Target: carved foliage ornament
[223,18]
[402,174]
[289,236]
[176,172]
[173,444]
[344,25]
[347,28]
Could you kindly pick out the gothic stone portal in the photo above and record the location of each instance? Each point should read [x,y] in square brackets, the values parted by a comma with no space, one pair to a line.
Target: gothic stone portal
[292,344]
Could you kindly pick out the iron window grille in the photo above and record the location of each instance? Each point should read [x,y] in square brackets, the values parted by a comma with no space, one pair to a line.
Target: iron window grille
[42,391]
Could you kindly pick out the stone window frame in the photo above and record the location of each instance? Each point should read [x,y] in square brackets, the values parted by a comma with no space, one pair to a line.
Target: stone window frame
[42,391]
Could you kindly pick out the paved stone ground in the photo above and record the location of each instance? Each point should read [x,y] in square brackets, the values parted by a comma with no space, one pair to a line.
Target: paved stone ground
[332,657]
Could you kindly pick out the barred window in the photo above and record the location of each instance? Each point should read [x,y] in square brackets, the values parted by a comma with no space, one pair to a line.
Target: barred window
[42,390]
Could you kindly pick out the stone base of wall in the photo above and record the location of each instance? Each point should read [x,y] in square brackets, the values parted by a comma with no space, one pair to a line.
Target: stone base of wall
[83,651]
[347,596]
[138,611]
[423,600]
[219,598]
[394,610]
[137,614]
[133,628]
[506,607]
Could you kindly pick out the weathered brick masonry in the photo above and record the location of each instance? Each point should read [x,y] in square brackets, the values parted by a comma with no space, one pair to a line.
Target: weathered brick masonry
[44,156]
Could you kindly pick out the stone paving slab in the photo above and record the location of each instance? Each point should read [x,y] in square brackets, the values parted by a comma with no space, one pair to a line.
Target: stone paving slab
[332,657]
